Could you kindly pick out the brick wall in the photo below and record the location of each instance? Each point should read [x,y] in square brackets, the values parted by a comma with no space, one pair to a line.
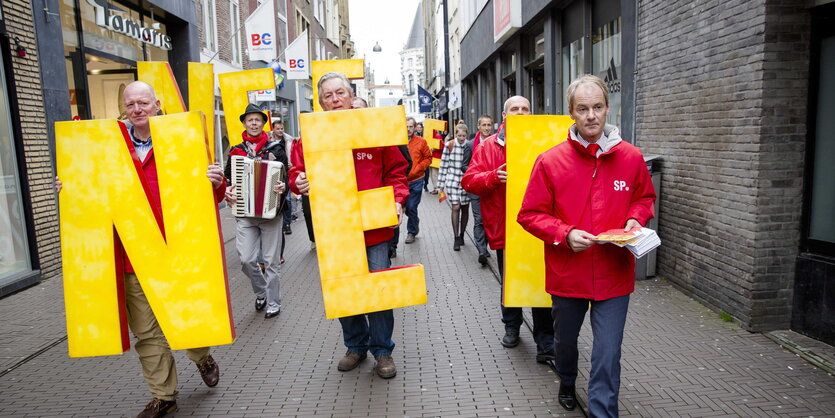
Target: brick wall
[713,79]
[38,162]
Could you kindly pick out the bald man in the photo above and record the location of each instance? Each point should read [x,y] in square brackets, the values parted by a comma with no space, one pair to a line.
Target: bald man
[487,177]
[158,366]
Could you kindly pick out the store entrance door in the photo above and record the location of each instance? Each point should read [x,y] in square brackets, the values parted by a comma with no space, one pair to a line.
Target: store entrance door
[106,81]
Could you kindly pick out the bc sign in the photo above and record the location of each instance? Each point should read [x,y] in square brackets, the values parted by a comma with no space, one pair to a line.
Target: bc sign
[261,39]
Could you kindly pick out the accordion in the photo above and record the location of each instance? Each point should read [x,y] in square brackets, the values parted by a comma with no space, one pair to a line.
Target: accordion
[254,180]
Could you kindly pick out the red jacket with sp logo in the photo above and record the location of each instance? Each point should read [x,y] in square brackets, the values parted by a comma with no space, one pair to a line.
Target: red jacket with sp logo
[569,188]
[375,167]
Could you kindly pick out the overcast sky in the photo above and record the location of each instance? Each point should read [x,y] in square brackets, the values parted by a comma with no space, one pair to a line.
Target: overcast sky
[386,22]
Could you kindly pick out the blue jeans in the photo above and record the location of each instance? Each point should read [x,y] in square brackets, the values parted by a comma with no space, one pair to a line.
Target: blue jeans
[415,191]
[288,210]
[371,331]
[608,318]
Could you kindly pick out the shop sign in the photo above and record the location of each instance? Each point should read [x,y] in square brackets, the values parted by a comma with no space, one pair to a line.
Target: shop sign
[128,27]
[507,18]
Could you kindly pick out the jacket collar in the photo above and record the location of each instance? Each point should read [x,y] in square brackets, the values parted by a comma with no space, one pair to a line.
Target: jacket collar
[611,133]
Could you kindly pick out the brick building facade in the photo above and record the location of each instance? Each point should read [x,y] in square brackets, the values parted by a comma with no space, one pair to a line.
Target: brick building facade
[733,167]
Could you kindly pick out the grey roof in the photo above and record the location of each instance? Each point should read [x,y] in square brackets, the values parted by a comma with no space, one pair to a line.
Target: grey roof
[416,34]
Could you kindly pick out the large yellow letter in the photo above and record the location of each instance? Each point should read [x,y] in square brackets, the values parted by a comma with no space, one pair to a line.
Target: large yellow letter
[527,137]
[201,90]
[233,91]
[429,128]
[182,272]
[352,69]
[342,213]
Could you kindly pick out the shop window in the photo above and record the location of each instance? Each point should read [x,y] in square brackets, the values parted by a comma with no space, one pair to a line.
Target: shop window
[573,47]
[14,247]
[821,232]
[606,64]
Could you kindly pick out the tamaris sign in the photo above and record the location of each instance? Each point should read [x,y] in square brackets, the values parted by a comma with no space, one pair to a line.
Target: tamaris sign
[128,27]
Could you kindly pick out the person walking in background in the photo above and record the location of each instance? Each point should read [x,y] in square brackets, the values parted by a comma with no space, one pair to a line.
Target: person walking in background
[449,180]
[569,201]
[485,129]
[421,158]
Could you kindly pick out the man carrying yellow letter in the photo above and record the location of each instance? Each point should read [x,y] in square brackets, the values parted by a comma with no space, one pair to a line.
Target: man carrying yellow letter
[158,366]
[374,167]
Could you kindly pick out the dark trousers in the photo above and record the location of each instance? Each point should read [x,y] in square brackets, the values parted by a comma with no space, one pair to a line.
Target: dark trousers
[543,328]
[608,318]
[308,220]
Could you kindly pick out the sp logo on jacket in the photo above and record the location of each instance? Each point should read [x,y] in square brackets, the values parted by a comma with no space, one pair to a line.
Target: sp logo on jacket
[620,185]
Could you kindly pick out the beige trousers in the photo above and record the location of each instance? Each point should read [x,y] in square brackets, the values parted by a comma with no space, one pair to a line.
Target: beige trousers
[157,362]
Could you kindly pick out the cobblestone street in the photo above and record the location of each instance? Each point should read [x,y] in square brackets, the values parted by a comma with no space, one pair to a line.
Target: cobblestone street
[679,358]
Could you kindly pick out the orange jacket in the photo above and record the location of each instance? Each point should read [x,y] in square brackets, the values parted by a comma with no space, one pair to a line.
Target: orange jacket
[421,158]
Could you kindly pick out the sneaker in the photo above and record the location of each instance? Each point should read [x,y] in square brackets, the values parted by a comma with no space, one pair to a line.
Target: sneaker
[260,304]
[385,367]
[410,238]
[209,371]
[510,339]
[350,361]
[272,312]
[158,408]
[482,259]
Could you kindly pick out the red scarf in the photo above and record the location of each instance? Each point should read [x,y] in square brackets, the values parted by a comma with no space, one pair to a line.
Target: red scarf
[260,141]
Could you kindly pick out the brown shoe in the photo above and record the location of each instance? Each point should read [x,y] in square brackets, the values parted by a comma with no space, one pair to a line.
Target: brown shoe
[350,361]
[158,408]
[385,367]
[209,371]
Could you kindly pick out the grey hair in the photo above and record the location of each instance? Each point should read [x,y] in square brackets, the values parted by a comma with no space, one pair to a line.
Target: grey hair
[409,118]
[586,79]
[331,75]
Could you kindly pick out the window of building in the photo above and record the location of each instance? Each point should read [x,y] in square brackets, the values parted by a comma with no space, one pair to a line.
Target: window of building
[14,247]
[209,26]
[606,64]
[234,27]
[534,51]
[508,66]
[411,90]
[821,194]
[573,54]
[319,12]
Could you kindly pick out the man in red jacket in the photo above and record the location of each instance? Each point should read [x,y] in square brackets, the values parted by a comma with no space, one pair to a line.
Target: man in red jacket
[374,167]
[589,184]
[158,366]
[486,177]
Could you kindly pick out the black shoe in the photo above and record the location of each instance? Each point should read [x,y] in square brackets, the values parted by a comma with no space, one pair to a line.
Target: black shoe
[544,358]
[567,397]
[510,339]
[392,252]
[260,304]
[461,240]
[287,230]
[457,245]
[482,259]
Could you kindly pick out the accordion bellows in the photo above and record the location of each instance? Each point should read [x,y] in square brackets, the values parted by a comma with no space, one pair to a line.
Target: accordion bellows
[254,180]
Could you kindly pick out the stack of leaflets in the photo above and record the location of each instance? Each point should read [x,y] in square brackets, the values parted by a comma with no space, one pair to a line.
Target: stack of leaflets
[637,240]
